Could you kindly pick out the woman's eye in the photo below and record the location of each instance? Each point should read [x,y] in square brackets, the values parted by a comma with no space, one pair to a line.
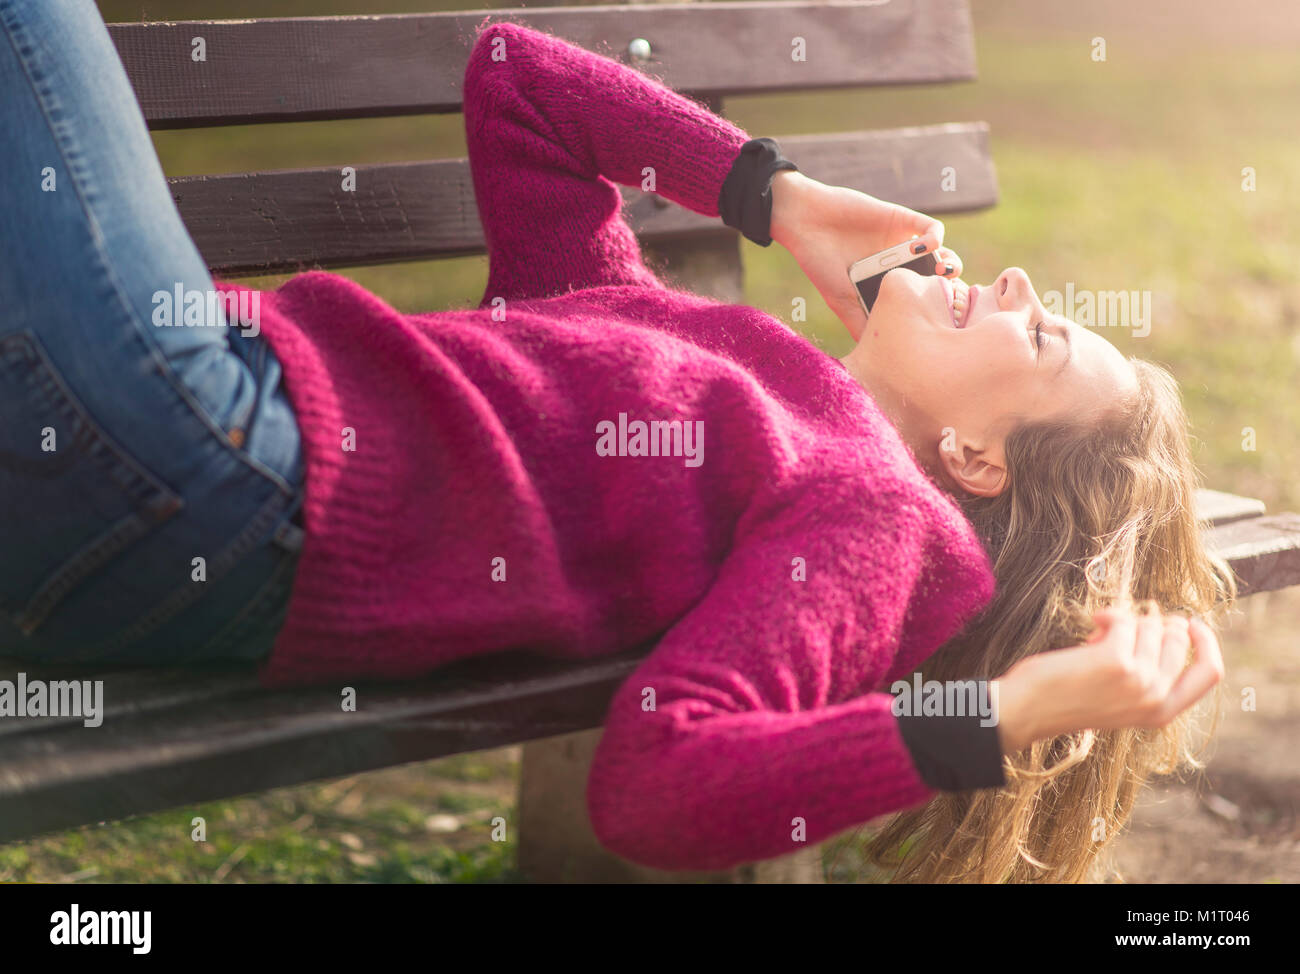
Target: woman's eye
[1039,338]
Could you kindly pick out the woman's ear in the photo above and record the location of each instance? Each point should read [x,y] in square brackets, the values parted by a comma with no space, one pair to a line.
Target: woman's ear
[975,469]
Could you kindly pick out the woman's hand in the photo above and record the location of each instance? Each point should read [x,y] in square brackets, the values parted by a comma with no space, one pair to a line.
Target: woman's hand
[830,228]
[1130,673]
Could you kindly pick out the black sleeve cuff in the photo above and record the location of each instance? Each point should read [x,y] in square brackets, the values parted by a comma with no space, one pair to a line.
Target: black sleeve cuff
[954,753]
[745,200]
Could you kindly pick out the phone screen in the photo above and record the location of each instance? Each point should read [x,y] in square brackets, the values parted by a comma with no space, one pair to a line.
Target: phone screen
[869,287]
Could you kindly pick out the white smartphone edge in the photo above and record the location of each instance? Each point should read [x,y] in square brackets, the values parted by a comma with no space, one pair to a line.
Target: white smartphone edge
[893,257]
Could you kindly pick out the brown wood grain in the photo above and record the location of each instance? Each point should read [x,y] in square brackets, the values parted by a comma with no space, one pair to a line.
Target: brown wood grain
[1218,507]
[404,64]
[298,219]
[159,747]
[1264,551]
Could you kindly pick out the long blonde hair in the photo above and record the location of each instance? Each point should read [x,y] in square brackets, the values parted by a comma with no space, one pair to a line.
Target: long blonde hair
[1091,516]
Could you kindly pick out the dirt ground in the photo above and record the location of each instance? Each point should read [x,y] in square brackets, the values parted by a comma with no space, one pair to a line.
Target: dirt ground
[1239,821]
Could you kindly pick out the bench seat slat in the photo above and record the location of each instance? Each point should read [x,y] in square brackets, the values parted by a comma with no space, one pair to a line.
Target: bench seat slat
[180,737]
[1218,507]
[294,69]
[134,691]
[274,221]
[1264,551]
[61,774]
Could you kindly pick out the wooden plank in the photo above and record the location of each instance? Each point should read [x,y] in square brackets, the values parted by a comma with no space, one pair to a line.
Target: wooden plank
[1264,551]
[135,690]
[1217,507]
[289,220]
[176,737]
[60,774]
[905,165]
[291,69]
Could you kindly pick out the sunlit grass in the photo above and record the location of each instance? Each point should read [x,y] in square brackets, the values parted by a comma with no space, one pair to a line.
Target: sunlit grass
[425,823]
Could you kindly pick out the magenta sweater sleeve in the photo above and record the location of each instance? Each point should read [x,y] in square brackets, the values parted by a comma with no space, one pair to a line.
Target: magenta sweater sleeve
[551,127]
[753,727]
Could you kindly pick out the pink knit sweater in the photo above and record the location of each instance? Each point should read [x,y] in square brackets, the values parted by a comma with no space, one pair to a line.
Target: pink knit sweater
[478,481]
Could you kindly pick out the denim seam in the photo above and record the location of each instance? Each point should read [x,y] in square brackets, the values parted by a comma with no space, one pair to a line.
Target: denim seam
[144,490]
[261,607]
[61,397]
[183,596]
[118,538]
[49,105]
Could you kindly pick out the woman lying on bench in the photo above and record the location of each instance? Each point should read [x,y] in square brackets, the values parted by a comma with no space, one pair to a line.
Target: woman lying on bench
[591,460]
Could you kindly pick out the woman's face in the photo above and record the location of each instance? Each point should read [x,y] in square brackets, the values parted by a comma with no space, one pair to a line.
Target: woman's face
[980,360]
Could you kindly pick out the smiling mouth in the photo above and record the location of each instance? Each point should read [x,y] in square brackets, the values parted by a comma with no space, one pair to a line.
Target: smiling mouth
[961,298]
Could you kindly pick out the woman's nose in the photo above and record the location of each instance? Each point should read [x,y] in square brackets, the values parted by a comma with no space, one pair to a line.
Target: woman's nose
[1014,290]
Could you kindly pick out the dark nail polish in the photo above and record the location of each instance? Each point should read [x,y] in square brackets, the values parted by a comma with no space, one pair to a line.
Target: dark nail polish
[947,268]
[918,248]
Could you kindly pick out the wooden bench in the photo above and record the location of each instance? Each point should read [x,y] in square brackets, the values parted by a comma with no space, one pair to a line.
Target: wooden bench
[176,737]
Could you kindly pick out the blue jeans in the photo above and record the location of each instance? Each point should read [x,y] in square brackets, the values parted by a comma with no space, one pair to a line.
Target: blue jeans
[150,464]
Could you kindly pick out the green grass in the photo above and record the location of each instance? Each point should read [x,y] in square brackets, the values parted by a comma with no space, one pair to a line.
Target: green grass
[1122,175]
[425,823]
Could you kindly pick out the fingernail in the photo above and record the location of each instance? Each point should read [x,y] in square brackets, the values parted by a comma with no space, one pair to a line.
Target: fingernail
[947,268]
[918,247]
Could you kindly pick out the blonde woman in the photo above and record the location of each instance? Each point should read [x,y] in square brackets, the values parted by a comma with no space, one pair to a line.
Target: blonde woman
[591,460]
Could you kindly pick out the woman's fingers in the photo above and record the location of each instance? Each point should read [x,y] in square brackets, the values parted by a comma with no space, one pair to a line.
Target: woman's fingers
[1150,638]
[1121,628]
[1102,620]
[1173,647]
[947,263]
[925,230]
[1206,670]
[927,238]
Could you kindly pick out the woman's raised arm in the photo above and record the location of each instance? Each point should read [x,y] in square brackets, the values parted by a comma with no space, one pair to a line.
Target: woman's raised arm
[550,128]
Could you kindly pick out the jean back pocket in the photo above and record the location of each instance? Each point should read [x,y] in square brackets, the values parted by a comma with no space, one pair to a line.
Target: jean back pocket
[71,498]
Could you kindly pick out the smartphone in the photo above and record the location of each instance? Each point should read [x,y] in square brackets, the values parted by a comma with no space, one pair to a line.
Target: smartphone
[867,273]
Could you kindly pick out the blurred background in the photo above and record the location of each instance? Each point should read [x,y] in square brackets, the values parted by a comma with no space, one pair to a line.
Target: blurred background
[1125,174]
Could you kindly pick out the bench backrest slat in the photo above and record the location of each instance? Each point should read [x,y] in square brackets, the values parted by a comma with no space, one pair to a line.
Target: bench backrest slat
[295,69]
[270,221]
